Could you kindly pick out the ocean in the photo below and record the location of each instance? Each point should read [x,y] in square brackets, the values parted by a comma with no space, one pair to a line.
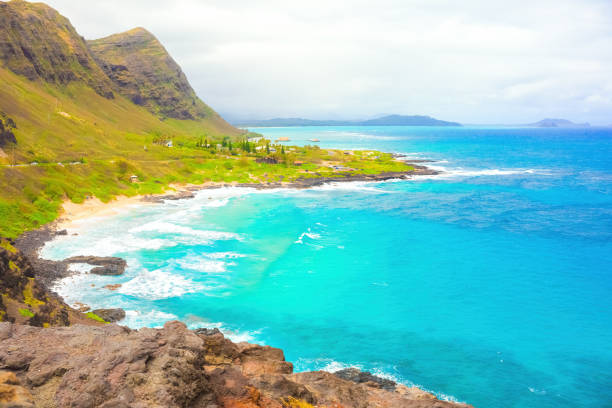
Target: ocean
[489,284]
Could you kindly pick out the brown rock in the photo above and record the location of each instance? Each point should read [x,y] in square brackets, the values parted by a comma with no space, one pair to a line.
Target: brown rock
[110,315]
[113,366]
[12,394]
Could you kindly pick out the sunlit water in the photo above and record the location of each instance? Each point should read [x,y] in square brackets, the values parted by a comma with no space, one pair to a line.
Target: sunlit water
[489,284]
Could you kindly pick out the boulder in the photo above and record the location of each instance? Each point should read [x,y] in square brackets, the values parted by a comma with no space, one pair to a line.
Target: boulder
[110,315]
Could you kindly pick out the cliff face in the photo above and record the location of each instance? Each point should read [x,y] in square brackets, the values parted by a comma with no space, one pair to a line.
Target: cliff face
[113,366]
[39,43]
[24,300]
[143,71]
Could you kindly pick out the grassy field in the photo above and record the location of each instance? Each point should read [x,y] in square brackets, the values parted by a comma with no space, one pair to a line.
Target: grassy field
[86,145]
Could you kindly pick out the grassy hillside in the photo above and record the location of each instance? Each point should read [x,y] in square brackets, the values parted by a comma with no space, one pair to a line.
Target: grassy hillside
[80,133]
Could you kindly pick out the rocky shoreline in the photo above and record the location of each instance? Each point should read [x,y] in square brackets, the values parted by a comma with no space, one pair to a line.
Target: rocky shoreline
[91,364]
[31,242]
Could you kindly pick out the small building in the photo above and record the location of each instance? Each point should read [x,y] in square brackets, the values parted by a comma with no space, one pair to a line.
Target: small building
[255,139]
[298,163]
[133,178]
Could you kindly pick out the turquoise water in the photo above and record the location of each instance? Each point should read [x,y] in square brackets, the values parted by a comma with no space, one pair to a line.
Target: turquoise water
[489,284]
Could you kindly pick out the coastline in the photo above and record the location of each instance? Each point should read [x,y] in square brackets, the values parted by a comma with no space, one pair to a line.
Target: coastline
[72,214]
[331,384]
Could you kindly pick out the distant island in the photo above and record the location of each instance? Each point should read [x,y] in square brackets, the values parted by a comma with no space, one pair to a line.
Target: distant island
[558,123]
[389,120]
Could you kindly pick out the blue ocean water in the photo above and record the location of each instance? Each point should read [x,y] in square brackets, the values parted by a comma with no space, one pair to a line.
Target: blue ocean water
[489,284]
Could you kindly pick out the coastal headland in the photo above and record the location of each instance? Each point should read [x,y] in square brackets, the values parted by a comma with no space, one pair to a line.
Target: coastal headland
[90,127]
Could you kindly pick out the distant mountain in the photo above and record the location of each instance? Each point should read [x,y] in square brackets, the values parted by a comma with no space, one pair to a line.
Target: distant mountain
[389,120]
[562,123]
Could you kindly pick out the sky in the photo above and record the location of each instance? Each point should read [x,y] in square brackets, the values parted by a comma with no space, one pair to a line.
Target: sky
[472,61]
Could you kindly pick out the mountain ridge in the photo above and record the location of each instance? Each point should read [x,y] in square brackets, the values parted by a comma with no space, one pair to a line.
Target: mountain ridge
[388,120]
[557,123]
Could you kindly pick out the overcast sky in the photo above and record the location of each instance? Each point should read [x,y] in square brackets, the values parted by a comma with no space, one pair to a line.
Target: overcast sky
[473,61]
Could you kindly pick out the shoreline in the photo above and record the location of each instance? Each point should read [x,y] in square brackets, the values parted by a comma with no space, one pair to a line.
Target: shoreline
[49,271]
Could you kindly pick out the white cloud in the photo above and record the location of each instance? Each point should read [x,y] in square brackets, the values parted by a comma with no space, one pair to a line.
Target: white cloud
[471,61]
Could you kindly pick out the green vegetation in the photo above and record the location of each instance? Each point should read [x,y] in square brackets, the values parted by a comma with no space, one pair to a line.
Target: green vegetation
[95,317]
[86,145]
[28,296]
[85,126]
[26,313]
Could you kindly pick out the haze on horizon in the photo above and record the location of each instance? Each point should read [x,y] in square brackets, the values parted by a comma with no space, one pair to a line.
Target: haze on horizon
[476,61]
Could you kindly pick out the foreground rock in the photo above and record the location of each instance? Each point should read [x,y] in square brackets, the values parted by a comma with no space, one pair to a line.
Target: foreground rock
[110,315]
[113,366]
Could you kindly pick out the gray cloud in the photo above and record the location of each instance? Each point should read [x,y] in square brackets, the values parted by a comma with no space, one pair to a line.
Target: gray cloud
[475,61]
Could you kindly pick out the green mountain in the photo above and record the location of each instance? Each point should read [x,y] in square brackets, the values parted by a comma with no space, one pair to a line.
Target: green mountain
[117,116]
[144,72]
[109,105]
[390,120]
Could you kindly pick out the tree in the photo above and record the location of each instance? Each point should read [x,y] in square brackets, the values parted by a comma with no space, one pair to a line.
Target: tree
[268,148]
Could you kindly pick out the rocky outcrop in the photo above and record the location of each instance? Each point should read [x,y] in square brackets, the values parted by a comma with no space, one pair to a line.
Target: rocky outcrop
[364,377]
[105,265]
[7,125]
[25,300]
[113,366]
[40,44]
[110,315]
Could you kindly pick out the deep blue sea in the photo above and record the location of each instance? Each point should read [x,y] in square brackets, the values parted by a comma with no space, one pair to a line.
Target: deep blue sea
[489,284]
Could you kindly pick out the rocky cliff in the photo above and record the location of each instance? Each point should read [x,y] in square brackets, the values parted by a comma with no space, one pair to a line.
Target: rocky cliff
[113,366]
[24,300]
[39,43]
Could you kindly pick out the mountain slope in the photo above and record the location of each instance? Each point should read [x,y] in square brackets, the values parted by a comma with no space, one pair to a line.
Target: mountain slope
[60,110]
[145,73]
[40,44]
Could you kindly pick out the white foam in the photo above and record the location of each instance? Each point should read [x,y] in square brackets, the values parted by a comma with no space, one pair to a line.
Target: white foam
[447,173]
[202,265]
[308,234]
[169,228]
[152,318]
[80,267]
[350,186]
[332,366]
[159,284]
[196,322]
[223,255]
